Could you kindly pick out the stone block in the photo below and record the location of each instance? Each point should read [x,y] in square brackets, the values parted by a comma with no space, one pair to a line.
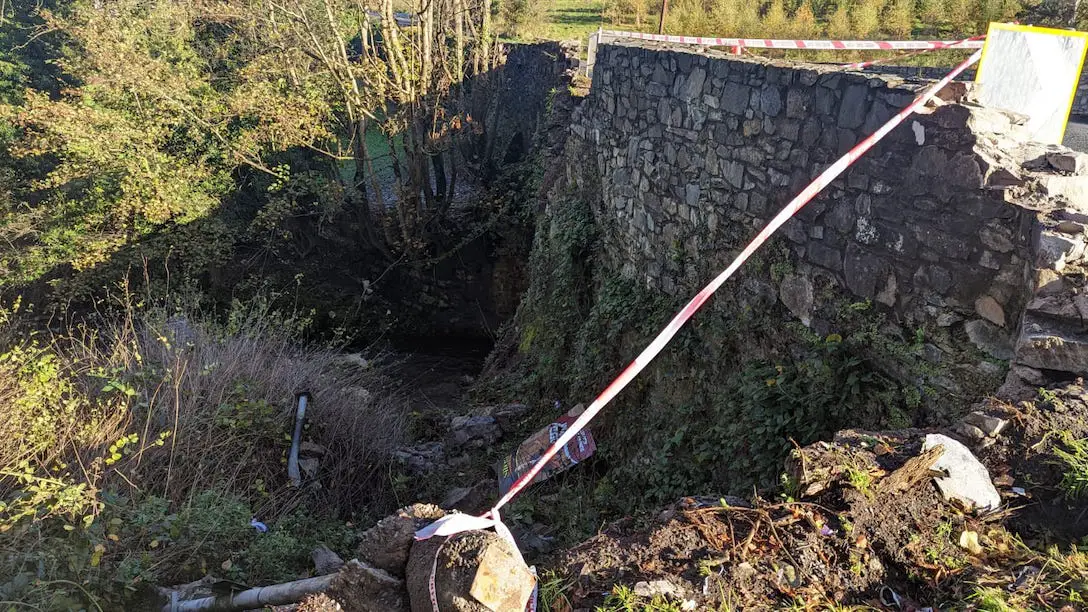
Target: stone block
[797,103]
[770,101]
[864,272]
[963,171]
[989,338]
[1072,188]
[930,161]
[988,308]
[852,109]
[1068,161]
[997,237]
[693,87]
[735,98]
[1055,250]
[967,481]
[1048,282]
[1052,345]
[796,293]
[824,256]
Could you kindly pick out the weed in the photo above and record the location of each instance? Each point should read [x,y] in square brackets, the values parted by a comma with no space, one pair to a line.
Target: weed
[623,599]
[138,449]
[1074,458]
[989,599]
[860,479]
[553,588]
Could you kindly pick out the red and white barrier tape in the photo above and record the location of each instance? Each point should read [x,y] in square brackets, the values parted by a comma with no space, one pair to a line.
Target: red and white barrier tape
[959,44]
[819,45]
[458,522]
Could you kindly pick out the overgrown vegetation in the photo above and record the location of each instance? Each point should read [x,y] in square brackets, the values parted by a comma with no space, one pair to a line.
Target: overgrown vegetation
[775,385]
[240,144]
[138,450]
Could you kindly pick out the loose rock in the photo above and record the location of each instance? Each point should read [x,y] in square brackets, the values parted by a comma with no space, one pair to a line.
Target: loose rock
[968,481]
[990,425]
[362,588]
[475,571]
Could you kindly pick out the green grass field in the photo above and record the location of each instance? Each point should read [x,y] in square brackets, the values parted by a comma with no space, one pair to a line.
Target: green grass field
[567,19]
[559,20]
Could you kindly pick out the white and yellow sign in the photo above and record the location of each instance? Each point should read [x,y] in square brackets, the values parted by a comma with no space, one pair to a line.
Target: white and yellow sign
[1032,71]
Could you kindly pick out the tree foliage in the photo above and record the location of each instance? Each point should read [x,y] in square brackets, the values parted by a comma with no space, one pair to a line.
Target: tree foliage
[839,19]
[160,114]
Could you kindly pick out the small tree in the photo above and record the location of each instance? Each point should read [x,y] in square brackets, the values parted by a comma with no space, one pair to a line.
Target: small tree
[839,26]
[933,15]
[899,18]
[866,18]
[804,22]
[775,23]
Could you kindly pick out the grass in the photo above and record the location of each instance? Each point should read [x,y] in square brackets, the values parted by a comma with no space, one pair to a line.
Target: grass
[1074,458]
[573,19]
[559,20]
[989,599]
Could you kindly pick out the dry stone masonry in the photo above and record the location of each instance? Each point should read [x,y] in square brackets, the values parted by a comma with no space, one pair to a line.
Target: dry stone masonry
[949,221]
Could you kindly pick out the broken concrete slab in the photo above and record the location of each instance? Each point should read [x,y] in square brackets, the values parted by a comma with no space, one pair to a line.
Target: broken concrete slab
[967,481]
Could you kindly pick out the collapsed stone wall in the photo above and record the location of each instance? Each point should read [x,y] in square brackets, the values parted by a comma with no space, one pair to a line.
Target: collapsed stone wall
[696,152]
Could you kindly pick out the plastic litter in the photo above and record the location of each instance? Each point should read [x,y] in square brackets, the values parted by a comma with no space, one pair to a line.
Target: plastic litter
[259,526]
[1025,574]
[517,463]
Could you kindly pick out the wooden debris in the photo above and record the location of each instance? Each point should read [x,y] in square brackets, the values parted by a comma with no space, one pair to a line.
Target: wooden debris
[914,471]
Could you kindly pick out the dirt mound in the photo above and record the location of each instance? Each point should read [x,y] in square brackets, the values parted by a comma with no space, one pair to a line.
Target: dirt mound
[864,523]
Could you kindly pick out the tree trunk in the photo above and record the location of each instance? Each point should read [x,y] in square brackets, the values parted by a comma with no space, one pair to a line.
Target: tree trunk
[458,42]
[485,37]
[440,182]
[427,30]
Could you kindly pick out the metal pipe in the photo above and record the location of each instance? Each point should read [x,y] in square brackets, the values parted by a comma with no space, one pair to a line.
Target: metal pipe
[296,440]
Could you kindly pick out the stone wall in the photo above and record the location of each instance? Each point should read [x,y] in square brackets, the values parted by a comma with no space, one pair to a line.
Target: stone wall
[509,103]
[699,157]
[948,222]
[1080,100]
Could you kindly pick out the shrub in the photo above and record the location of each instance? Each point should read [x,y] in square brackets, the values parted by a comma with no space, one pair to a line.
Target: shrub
[137,448]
